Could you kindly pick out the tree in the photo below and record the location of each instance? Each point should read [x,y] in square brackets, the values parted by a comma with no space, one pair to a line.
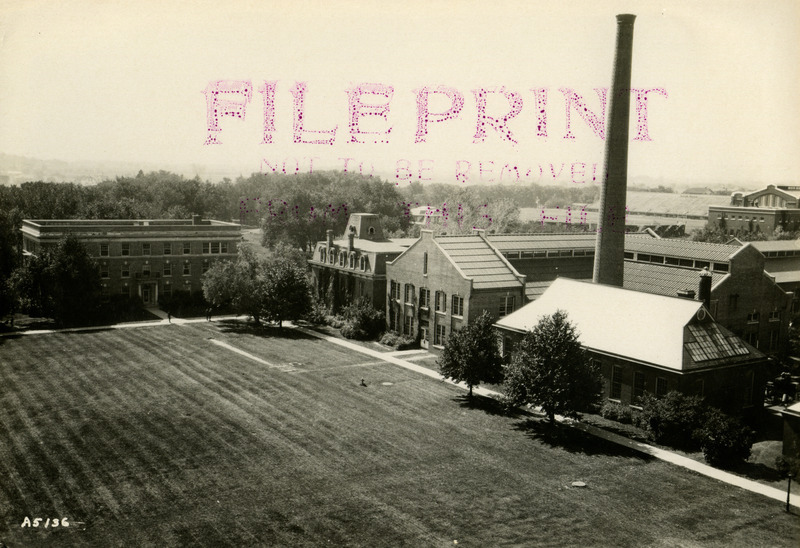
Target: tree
[724,439]
[551,370]
[470,355]
[286,291]
[240,284]
[63,283]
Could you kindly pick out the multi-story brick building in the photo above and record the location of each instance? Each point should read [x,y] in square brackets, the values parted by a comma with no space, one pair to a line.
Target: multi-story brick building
[149,259]
[440,284]
[760,211]
[743,297]
[650,344]
[354,267]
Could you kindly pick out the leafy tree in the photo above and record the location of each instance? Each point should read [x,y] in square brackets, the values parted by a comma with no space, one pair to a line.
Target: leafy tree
[240,284]
[62,283]
[551,370]
[362,320]
[471,355]
[286,291]
[674,419]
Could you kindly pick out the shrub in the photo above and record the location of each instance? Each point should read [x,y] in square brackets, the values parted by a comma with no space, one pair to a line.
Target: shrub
[616,411]
[785,465]
[362,321]
[673,419]
[396,341]
[317,315]
[725,440]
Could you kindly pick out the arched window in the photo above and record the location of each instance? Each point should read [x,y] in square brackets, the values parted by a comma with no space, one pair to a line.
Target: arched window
[362,262]
[322,255]
[341,258]
[352,260]
[425,264]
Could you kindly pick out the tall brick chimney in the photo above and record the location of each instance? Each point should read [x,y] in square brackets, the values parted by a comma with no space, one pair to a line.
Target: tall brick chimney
[705,288]
[609,258]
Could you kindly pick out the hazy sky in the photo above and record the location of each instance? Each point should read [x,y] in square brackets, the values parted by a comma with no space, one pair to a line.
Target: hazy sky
[114,81]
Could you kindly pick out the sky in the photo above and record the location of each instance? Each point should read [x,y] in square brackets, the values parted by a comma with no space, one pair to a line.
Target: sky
[110,81]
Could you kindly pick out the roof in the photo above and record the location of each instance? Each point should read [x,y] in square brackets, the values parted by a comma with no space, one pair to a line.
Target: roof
[669,203]
[651,329]
[522,242]
[664,279]
[393,245]
[689,249]
[480,261]
[777,245]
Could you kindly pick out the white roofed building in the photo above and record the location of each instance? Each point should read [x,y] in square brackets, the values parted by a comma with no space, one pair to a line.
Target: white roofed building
[650,343]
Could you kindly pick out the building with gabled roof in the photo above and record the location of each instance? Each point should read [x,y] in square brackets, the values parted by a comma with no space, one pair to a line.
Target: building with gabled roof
[354,267]
[650,343]
[439,284]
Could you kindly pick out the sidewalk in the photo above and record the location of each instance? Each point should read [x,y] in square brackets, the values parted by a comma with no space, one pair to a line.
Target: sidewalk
[661,454]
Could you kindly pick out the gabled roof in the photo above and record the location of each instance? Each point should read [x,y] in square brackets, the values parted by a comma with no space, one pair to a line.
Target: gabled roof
[665,280]
[642,327]
[480,261]
[777,245]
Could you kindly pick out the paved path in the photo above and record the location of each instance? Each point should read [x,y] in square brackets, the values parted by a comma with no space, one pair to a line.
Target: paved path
[661,454]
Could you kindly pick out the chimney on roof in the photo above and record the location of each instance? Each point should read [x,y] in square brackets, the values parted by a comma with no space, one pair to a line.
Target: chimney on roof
[686,293]
[351,236]
[609,259]
[329,238]
[196,219]
[705,288]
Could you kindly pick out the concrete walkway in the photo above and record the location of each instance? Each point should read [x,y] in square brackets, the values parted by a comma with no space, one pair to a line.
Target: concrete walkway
[661,454]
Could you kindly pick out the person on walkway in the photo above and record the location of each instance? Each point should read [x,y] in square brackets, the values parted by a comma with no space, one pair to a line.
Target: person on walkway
[169,316]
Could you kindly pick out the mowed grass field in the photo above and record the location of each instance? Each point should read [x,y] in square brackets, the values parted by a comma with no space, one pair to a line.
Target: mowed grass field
[159,436]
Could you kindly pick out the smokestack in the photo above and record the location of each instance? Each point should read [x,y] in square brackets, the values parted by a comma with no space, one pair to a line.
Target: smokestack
[609,258]
[705,288]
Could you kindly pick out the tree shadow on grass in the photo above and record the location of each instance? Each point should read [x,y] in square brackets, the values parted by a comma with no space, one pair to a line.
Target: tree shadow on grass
[263,330]
[490,406]
[574,440]
[754,471]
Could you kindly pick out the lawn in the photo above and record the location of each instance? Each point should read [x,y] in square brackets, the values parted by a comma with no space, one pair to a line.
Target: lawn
[161,436]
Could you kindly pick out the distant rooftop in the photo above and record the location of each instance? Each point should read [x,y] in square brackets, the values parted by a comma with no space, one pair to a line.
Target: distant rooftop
[478,260]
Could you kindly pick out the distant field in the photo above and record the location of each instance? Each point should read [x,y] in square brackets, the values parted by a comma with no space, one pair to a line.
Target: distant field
[161,436]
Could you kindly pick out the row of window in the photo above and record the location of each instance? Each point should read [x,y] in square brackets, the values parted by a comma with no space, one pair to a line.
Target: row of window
[506,306]
[675,261]
[439,332]
[551,253]
[733,218]
[165,291]
[166,271]
[638,385]
[167,248]
[344,259]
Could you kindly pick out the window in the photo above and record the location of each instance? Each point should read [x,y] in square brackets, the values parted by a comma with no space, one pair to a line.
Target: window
[341,258]
[167,269]
[409,294]
[775,316]
[362,262]
[214,247]
[752,338]
[702,264]
[125,290]
[425,264]
[685,262]
[507,306]
[167,290]
[616,382]
[104,250]
[774,337]
[395,291]
[104,293]
[145,270]
[721,267]
[146,249]
[187,269]
[506,347]
[661,387]
[441,301]
[126,249]
[539,254]
[458,306]
[394,319]
[167,248]
[187,248]
[206,247]
[733,301]
[352,260]
[223,247]
[408,327]
[322,255]
[629,255]
[205,266]
[638,385]
[753,317]
[424,298]
[104,271]
[439,336]
[126,271]
[331,256]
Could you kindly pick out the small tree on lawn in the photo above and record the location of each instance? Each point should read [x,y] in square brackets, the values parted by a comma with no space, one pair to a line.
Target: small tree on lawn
[551,370]
[471,355]
[287,293]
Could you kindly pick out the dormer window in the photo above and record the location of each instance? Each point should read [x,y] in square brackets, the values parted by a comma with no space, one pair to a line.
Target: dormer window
[322,255]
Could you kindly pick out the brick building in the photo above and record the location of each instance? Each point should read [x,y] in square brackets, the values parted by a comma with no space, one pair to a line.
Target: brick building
[744,298]
[149,259]
[439,284]
[760,211]
[782,262]
[650,343]
[355,266]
